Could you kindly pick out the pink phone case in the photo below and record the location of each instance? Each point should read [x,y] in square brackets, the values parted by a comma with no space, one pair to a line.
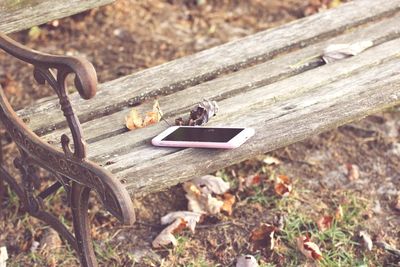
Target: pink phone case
[235,142]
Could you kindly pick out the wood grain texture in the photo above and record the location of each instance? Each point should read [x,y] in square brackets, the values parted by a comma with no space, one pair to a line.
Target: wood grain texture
[21,15]
[279,68]
[133,149]
[206,65]
[279,124]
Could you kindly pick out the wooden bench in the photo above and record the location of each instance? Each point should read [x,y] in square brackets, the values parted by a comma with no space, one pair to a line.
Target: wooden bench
[265,81]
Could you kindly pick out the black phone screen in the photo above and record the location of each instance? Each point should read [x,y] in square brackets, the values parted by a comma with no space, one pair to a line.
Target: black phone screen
[202,134]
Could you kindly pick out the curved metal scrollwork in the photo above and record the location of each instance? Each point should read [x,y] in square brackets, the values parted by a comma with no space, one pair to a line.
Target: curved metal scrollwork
[70,167]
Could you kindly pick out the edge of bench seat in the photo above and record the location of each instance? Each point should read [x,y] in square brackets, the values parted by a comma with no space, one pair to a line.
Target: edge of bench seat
[20,16]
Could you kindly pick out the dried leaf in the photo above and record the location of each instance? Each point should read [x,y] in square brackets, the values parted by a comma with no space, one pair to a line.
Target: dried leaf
[191,218]
[200,114]
[339,213]
[283,185]
[199,194]
[337,52]
[194,204]
[211,184]
[353,172]
[246,261]
[228,200]
[366,240]
[252,180]
[166,236]
[3,256]
[213,205]
[134,120]
[308,248]
[201,202]
[263,237]
[269,160]
[324,223]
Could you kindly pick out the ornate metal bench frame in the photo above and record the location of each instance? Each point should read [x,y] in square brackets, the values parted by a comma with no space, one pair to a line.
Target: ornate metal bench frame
[70,167]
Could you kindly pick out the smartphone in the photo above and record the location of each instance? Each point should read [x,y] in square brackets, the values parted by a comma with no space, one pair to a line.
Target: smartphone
[203,137]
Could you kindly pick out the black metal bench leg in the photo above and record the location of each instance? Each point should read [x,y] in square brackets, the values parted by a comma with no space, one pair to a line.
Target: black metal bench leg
[79,205]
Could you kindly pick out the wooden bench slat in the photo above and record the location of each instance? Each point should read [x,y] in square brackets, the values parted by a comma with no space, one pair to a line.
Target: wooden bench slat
[288,120]
[21,15]
[262,74]
[133,149]
[185,72]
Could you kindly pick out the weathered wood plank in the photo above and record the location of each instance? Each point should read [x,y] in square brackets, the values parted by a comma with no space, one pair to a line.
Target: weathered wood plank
[287,121]
[132,148]
[185,72]
[23,14]
[228,85]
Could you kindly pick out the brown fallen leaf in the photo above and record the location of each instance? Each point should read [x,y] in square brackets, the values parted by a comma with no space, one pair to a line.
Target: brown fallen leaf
[134,120]
[246,261]
[228,200]
[308,248]
[191,218]
[325,222]
[270,160]
[263,237]
[166,236]
[252,180]
[283,185]
[208,184]
[200,194]
[339,213]
[202,203]
[353,172]
[200,114]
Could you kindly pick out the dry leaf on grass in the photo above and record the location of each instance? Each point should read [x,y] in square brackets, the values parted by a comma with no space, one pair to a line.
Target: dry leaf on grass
[200,114]
[191,218]
[325,222]
[228,200]
[263,237]
[283,185]
[252,180]
[270,160]
[166,236]
[208,184]
[308,248]
[366,240]
[246,261]
[353,172]
[3,256]
[200,191]
[339,213]
[134,120]
[337,52]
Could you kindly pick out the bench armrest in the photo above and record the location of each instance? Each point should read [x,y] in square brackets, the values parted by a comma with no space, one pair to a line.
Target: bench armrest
[69,167]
